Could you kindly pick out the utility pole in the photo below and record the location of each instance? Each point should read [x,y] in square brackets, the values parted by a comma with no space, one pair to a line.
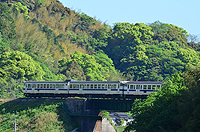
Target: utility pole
[15,126]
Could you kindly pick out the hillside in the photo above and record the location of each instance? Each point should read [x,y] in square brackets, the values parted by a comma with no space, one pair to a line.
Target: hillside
[52,42]
[35,115]
[44,41]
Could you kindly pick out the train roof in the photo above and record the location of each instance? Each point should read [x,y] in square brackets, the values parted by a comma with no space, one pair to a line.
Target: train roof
[44,82]
[145,82]
[72,82]
[95,82]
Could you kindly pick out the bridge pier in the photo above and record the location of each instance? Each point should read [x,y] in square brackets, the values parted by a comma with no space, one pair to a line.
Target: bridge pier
[88,111]
[89,120]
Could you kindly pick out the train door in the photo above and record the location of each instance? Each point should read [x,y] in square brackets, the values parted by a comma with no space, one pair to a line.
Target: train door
[126,89]
[123,88]
[81,87]
[56,88]
[67,87]
[108,86]
[138,88]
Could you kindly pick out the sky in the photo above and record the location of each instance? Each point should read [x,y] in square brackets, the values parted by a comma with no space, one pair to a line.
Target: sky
[182,13]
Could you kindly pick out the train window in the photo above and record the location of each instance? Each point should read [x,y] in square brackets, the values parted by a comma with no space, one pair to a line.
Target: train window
[99,86]
[131,86]
[144,86]
[92,85]
[149,86]
[70,85]
[82,86]
[77,86]
[59,85]
[41,85]
[103,86]
[29,85]
[95,86]
[109,86]
[154,87]
[33,85]
[47,85]
[106,86]
[114,86]
[158,86]
[53,85]
[44,85]
[50,85]
[138,86]
[88,86]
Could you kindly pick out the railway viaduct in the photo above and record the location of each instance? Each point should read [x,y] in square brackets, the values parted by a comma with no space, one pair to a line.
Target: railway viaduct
[88,111]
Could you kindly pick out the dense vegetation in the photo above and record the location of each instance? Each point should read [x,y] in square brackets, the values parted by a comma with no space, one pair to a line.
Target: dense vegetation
[43,40]
[35,115]
[175,107]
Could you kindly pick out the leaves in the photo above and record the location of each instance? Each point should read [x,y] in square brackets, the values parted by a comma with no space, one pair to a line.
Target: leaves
[18,65]
[159,111]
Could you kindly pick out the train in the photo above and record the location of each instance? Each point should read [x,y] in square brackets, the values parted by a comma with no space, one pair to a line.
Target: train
[96,89]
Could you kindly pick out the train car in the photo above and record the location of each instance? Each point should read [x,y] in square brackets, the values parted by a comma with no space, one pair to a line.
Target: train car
[142,87]
[72,88]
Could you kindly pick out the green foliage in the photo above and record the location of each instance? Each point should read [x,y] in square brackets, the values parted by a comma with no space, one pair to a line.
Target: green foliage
[12,88]
[18,7]
[174,107]
[41,2]
[84,40]
[169,32]
[7,23]
[18,65]
[133,34]
[189,107]
[4,44]
[125,37]
[159,112]
[158,26]
[105,61]
[121,121]
[35,115]
[92,70]
[71,70]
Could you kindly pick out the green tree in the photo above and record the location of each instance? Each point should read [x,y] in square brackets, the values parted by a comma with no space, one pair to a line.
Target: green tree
[18,65]
[4,44]
[189,107]
[71,70]
[7,23]
[125,37]
[159,112]
[91,68]
[93,71]
[104,60]
[19,8]
[169,32]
